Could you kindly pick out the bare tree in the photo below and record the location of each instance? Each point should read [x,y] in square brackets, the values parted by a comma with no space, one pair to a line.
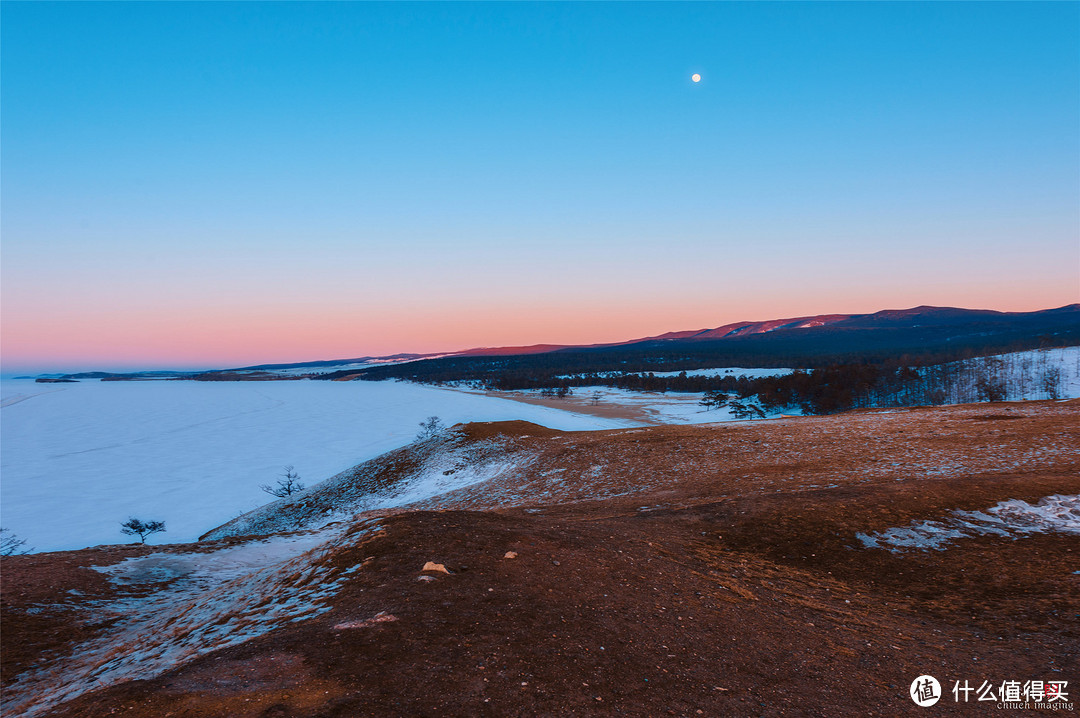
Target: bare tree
[989,388]
[1051,382]
[288,485]
[12,545]
[429,428]
[142,529]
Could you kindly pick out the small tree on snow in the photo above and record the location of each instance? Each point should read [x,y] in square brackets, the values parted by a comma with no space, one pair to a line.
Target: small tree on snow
[12,545]
[288,485]
[740,410]
[142,529]
[714,400]
[429,427]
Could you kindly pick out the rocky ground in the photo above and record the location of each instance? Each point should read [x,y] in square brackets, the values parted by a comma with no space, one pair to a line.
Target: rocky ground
[758,568]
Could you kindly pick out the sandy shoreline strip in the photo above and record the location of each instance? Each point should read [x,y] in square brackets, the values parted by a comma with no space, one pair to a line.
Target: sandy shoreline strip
[578,404]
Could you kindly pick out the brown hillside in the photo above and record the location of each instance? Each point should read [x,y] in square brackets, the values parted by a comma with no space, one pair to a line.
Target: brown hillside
[711,570]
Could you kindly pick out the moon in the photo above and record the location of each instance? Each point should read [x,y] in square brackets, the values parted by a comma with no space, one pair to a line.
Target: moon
[695,77]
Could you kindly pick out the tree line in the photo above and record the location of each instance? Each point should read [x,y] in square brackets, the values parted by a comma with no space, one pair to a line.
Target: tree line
[854,386]
[808,349]
[832,388]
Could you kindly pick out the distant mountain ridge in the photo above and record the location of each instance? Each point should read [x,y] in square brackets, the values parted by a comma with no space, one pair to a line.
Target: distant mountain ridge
[921,334]
[923,315]
[898,330]
[745,328]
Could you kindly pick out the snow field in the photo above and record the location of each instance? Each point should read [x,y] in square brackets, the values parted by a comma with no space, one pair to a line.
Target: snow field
[79,459]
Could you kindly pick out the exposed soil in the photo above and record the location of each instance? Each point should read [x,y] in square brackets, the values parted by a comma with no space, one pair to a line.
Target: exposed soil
[686,571]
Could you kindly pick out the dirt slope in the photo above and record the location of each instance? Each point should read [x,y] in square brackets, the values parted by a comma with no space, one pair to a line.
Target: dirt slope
[713,570]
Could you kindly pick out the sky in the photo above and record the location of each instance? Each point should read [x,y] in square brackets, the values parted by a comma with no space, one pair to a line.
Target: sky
[216,184]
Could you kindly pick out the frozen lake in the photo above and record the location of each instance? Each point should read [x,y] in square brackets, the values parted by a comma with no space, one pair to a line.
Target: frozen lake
[76,460]
[79,459]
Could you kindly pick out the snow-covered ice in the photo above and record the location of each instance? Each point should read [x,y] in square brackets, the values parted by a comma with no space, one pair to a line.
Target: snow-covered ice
[79,459]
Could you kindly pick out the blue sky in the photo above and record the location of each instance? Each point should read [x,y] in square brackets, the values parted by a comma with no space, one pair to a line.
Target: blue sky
[217,182]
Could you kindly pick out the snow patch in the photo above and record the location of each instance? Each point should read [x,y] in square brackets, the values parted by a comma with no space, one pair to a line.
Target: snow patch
[1012,518]
[209,601]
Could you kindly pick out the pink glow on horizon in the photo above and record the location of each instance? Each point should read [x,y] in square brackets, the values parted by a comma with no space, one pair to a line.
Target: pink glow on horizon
[204,338]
